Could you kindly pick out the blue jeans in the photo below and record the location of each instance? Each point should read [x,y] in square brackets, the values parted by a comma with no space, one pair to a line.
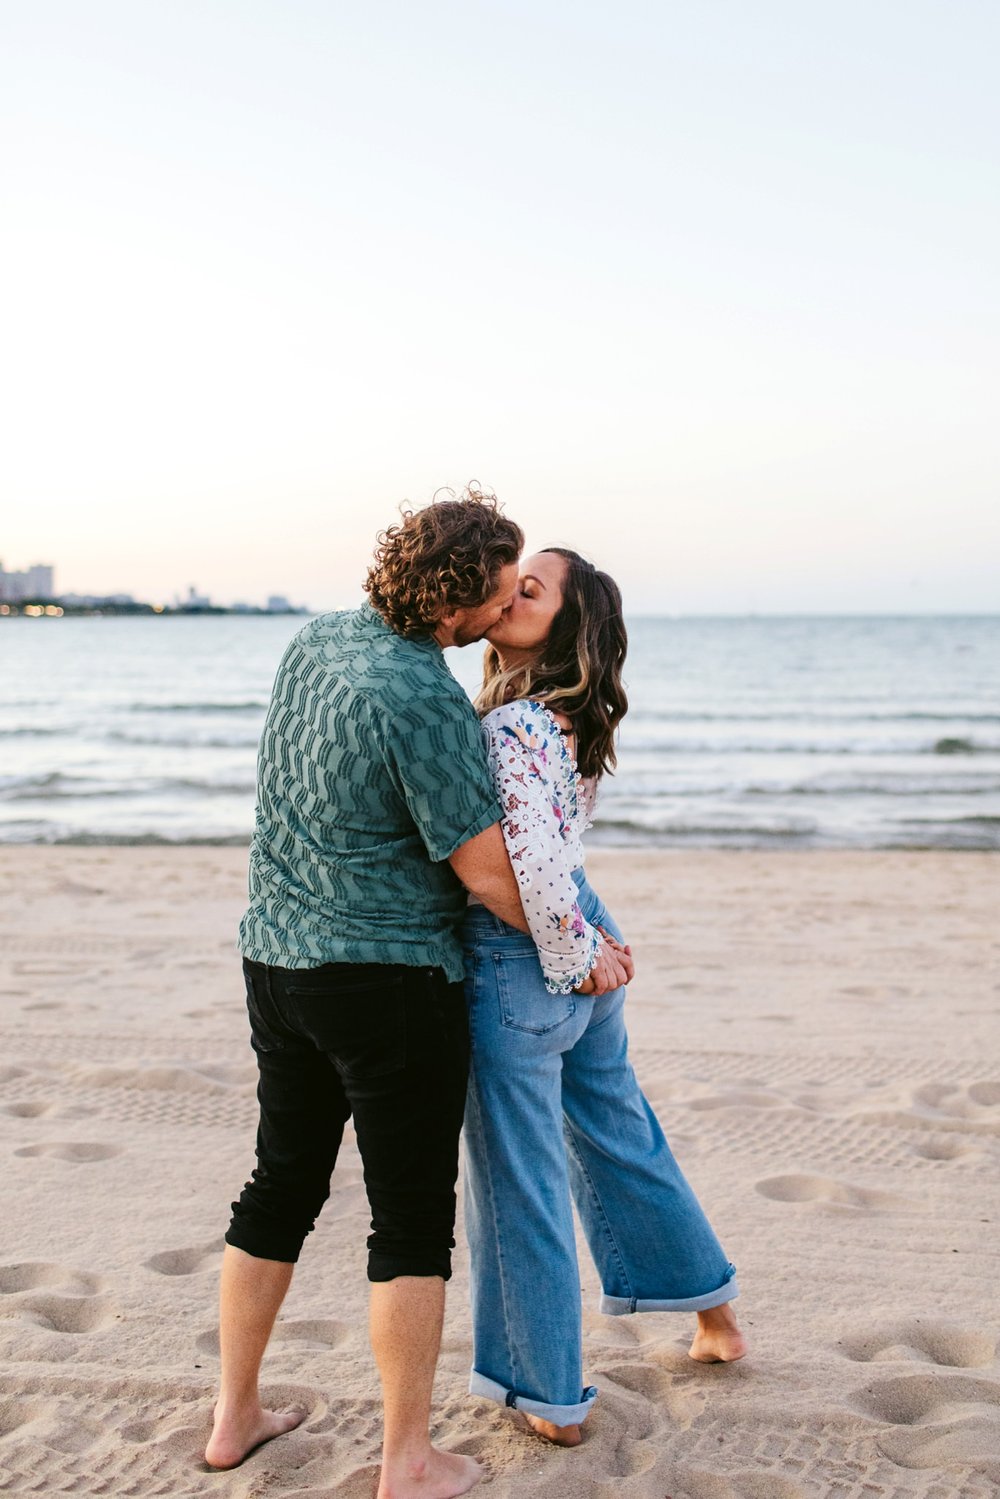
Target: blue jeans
[555,1115]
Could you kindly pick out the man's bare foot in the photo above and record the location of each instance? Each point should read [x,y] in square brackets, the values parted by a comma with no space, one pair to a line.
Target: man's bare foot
[718,1339]
[562,1436]
[443,1475]
[236,1435]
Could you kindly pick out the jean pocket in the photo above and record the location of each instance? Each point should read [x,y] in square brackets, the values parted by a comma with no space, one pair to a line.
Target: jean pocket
[264,1037]
[360,1027]
[525,1003]
[329,980]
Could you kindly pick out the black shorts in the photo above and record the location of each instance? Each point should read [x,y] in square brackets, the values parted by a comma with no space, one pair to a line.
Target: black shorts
[387,1044]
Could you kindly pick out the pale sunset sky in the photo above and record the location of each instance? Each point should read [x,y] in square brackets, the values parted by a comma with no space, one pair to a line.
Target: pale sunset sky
[706,289]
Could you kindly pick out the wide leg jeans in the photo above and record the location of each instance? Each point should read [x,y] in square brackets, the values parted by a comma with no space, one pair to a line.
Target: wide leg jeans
[555,1115]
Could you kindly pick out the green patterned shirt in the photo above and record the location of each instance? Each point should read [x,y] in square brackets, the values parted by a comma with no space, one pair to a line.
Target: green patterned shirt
[371,771]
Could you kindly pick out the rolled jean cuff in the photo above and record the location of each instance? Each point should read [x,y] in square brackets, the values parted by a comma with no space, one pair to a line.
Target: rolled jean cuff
[559,1415]
[623,1306]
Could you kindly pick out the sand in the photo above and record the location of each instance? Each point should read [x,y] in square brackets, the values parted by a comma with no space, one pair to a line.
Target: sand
[819,1033]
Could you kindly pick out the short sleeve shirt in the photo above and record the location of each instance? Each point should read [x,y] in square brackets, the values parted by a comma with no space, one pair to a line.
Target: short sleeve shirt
[371,772]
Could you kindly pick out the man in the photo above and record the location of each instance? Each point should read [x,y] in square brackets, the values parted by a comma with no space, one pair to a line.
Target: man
[376,812]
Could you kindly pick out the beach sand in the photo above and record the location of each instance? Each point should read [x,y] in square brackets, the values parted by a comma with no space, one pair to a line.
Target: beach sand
[819,1033]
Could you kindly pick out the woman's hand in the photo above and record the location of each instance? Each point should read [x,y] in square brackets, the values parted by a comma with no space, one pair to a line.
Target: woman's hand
[613,969]
[622,951]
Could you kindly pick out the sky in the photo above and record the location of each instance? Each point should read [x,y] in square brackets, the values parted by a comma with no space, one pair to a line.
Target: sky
[707,290]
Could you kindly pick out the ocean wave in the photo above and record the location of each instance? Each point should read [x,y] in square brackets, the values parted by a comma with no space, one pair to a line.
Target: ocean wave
[794,710]
[902,786]
[974,819]
[957,835]
[957,746]
[57,786]
[672,834]
[788,746]
[254,705]
[26,732]
[91,838]
[185,741]
[674,825]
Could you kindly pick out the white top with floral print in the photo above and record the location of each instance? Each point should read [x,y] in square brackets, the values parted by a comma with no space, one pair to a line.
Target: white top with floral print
[547,807]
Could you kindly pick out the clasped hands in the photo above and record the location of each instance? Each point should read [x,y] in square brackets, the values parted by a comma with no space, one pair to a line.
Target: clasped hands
[614,967]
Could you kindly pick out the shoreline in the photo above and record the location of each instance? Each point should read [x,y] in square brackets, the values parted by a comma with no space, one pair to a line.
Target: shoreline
[642,845]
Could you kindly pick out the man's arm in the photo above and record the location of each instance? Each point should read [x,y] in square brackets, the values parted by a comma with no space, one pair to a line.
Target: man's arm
[483,866]
[484,869]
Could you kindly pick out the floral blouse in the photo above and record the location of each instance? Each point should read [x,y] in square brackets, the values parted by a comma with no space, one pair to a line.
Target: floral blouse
[547,806]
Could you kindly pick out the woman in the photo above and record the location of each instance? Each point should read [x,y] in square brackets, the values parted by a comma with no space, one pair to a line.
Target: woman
[554,1109]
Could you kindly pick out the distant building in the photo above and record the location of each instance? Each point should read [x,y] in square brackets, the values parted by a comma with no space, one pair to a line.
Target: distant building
[278,604]
[196,600]
[95,600]
[35,582]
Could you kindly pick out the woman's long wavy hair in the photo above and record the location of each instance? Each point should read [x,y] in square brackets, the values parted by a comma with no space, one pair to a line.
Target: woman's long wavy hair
[578,670]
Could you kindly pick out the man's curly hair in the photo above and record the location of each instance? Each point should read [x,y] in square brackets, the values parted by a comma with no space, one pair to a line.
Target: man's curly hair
[444,557]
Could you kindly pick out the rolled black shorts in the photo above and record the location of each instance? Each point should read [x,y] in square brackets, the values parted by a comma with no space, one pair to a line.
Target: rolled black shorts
[390,1046]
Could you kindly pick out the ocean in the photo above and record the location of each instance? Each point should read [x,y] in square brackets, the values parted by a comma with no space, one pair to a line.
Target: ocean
[808,732]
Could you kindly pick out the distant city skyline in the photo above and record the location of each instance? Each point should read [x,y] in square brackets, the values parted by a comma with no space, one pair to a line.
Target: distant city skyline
[18,586]
[38,581]
[708,292]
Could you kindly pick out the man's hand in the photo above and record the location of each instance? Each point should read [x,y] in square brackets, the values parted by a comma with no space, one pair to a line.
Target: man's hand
[613,969]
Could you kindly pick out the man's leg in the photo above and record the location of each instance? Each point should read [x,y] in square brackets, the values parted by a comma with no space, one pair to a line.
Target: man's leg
[302,1116]
[251,1294]
[406,1318]
[408,1098]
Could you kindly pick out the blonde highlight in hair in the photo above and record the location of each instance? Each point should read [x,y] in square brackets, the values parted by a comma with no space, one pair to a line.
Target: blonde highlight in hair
[578,670]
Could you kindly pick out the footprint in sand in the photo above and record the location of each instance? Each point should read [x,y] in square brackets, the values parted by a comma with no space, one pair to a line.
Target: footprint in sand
[946,1148]
[38,1275]
[977,1103]
[193,1260]
[936,1420]
[54,1297]
[37,1108]
[823,1189]
[920,1340]
[56,1004]
[696,1483]
[38,1421]
[48,968]
[740,1098]
[646,1396]
[159,1078]
[32,1108]
[69,1314]
[84,1437]
[73,1150]
[317,1334]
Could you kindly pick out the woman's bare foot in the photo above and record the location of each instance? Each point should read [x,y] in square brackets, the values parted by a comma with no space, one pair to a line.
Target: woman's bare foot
[718,1339]
[443,1475]
[562,1436]
[238,1433]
